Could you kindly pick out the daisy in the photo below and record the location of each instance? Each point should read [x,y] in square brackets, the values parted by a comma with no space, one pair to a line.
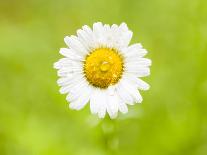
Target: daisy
[101,68]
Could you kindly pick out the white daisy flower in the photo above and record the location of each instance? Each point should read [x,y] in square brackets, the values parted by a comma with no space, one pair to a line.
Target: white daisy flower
[101,68]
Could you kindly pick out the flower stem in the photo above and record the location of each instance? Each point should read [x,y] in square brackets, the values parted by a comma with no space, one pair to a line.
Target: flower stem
[110,137]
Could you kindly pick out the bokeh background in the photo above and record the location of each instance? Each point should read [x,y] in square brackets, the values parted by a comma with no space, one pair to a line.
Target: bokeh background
[35,118]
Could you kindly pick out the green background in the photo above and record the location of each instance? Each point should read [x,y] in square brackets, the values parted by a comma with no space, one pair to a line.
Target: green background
[35,118]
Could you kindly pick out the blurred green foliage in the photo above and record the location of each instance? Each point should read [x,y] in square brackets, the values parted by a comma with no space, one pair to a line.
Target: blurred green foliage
[34,117]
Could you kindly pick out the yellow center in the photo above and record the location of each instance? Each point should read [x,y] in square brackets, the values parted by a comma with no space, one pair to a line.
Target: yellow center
[103,67]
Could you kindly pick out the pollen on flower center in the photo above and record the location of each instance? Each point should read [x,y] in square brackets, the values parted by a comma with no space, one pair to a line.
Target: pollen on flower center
[103,67]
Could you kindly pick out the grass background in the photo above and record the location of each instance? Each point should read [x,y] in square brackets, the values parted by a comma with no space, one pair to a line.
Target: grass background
[34,117]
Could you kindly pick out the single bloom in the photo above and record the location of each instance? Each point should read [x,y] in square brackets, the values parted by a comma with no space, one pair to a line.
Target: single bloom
[101,68]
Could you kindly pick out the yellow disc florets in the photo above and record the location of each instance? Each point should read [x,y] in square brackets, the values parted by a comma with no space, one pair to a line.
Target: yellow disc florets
[103,67]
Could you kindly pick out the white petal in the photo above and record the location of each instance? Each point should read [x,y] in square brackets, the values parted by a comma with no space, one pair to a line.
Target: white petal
[87,29]
[66,62]
[132,90]
[123,26]
[117,36]
[138,71]
[77,90]
[64,81]
[74,83]
[123,94]
[63,74]
[134,50]
[98,29]
[123,107]
[102,104]
[77,84]
[85,39]
[125,35]
[112,105]
[111,36]
[57,65]
[128,38]
[114,27]
[140,84]
[139,62]
[70,54]
[82,100]
[69,70]
[68,67]
[94,104]
[106,38]
[89,33]
[76,45]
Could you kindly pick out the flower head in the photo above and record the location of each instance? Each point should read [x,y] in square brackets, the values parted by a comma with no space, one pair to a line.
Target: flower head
[101,68]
